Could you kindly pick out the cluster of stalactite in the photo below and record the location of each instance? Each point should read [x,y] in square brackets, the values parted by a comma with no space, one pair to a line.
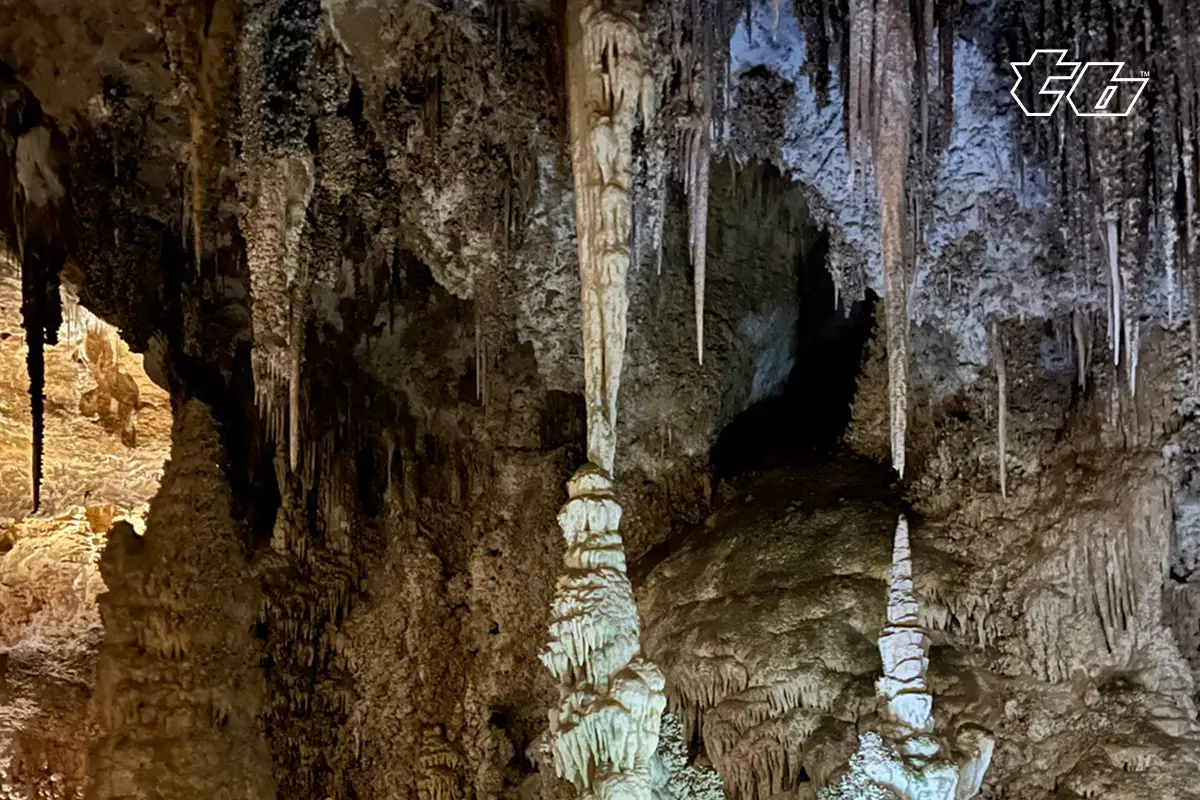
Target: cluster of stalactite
[274,55]
[886,53]
[689,65]
[1127,185]
[31,192]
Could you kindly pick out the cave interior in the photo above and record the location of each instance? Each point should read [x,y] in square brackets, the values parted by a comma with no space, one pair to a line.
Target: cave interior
[614,399]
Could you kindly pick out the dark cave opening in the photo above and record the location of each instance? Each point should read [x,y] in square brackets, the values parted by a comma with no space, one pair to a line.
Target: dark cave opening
[808,418]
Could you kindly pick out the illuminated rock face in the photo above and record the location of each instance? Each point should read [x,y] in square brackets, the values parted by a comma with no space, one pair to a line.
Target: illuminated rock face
[353,232]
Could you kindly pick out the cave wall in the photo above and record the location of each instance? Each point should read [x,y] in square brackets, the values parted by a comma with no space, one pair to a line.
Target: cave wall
[179,687]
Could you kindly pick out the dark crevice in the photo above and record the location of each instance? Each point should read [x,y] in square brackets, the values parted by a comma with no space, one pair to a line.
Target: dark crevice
[809,417]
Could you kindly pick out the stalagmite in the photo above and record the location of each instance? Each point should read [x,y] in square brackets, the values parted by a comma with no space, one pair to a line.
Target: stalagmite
[604,732]
[905,762]
[1001,405]
[903,646]
[606,727]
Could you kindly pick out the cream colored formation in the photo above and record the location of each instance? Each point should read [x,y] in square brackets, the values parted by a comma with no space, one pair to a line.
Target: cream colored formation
[605,730]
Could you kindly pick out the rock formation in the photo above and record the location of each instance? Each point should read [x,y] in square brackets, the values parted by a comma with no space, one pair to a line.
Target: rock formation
[291,381]
[605,729]
[905,762]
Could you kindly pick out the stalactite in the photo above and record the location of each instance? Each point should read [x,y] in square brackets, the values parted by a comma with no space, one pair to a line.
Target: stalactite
[608,86]
[1133,330]
[1191,269]
[293,383]
[861,47]
[279,178]
[878,94]
[32,314]
[697,159]
[891,90]
[1081,328]
[1001,405]
[29,170]
[1115,329]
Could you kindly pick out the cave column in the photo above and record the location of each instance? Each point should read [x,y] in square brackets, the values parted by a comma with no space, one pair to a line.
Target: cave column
[606,726]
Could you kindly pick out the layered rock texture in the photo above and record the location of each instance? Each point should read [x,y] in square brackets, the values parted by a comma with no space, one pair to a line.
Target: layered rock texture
[347,291]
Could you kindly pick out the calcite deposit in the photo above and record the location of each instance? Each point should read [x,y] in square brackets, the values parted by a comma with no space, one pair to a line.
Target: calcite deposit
[310,310]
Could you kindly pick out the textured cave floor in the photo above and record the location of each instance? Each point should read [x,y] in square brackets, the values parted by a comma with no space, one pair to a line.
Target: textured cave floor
[820,478]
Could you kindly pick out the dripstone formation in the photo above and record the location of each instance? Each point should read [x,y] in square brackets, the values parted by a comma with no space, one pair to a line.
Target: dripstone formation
[310,310]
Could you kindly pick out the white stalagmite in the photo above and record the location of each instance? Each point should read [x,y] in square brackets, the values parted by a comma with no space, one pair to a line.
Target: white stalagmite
[906,762]
[1001,405]
[903,646]
[604,732]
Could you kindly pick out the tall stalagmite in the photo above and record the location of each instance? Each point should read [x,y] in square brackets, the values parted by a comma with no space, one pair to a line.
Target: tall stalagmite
[606,727]
[906,762]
